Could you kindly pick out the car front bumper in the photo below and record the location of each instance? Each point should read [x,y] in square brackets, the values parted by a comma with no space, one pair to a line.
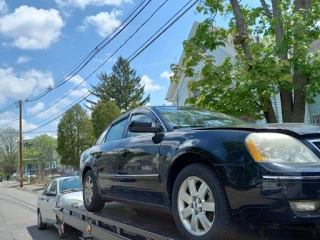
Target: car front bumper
[267,200]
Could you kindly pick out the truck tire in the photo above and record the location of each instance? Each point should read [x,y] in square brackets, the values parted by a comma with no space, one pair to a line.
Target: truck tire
[41,225]
[200,205]
[92,199]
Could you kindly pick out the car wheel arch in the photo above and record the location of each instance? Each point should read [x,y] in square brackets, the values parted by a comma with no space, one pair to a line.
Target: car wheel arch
[183,160]
[84,172]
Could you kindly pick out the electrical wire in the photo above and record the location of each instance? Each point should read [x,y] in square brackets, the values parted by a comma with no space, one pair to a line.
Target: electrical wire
[124,43]
[96,50]
[83,62]
[9,123]
[157,36]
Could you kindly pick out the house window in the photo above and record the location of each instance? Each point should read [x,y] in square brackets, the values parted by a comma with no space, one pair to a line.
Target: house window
[316,118]
[197,93]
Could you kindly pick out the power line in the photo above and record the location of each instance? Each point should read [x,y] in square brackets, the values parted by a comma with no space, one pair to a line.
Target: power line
[82,63]
[124,43]
[9,123]
[96,50]
[157,36]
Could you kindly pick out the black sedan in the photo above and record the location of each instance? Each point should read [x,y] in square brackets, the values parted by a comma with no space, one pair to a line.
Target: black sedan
[210,170]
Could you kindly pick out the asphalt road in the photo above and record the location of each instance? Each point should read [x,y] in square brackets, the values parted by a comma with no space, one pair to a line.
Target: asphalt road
[18,220]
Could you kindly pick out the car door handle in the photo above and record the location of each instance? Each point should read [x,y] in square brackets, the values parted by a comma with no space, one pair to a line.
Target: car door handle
[124,152]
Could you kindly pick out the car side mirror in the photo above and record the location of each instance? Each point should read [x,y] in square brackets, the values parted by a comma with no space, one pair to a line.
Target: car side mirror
[50,194]
[143,127]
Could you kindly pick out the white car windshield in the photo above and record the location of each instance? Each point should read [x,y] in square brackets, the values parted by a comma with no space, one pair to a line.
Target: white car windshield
[70,184]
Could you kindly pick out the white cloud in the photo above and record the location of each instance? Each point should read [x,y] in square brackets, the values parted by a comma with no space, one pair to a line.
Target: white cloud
[32,28]
[36,108]
[84,3]
[103,22]
[3,99]
[3,7]
[23,59]
[22,85]
[77,79]
[166,75]
[55,108]
[79,92]
[148,85]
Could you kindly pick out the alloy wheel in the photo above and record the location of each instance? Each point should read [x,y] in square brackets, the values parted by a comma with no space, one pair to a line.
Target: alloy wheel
[88,191]
[196,206]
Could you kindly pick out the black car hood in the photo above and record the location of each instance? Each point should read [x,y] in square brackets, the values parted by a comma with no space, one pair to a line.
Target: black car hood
[295,128]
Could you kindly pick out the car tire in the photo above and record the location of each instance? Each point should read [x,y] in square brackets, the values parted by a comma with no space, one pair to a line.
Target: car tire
[41,225]
[92,199]
[200,205]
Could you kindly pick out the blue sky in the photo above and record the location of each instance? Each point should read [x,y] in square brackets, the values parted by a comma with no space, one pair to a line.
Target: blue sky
[41,40]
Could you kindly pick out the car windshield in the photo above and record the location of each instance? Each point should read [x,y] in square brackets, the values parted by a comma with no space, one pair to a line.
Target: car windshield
[184,117]
[70,184]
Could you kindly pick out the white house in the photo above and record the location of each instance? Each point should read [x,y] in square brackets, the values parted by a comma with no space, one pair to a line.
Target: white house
[179,92]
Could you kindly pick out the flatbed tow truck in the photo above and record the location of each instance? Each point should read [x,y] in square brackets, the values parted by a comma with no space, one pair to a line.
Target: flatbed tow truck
[116,221]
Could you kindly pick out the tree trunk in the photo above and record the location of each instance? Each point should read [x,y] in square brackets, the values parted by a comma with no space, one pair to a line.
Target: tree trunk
[241,26]
[298,79]
[270,115]
[285,95]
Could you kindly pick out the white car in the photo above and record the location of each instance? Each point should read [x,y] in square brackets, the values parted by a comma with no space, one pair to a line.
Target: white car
[15,175]
[29,175]
[60,192]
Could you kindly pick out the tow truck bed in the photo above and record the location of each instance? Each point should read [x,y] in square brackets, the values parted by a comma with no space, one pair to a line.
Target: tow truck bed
[118,221]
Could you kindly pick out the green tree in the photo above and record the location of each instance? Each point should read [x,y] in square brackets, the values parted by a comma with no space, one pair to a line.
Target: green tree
[43,148]
[273,55]
[75,134]
[9,139]
[102,115]
[122,87]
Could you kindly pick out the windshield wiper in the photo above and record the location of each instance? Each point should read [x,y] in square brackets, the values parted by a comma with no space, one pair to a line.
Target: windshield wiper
[194,126]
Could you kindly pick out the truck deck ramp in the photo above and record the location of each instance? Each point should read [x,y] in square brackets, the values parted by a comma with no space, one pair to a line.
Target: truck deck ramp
[119,221]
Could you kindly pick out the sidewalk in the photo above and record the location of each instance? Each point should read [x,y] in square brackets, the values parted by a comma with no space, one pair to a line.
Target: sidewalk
[27,187]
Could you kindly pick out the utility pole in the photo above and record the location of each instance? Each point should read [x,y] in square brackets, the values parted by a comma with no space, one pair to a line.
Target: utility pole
[21,154]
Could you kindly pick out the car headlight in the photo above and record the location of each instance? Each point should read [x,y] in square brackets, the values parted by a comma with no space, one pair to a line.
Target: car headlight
[279,148]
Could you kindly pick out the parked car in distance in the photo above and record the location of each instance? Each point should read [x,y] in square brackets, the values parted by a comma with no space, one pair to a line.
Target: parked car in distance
[69,174]
[207,168]
[29,175]
[59,192]
[15,175]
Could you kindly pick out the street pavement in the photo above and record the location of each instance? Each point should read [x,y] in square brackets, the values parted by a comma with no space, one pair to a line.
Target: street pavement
[18,218]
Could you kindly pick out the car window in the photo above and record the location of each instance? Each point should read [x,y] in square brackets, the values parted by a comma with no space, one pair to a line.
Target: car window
[101,138]
[139,117]
[70,184]
[47,189]
[53,187]
[116,131]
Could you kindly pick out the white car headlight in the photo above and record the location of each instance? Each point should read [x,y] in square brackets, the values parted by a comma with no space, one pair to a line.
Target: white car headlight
[279,148]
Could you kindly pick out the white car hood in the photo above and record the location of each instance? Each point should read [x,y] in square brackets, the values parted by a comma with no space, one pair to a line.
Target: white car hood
[72,199]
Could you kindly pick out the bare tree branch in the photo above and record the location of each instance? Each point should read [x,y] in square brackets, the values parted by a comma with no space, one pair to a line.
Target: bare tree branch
[266,9]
